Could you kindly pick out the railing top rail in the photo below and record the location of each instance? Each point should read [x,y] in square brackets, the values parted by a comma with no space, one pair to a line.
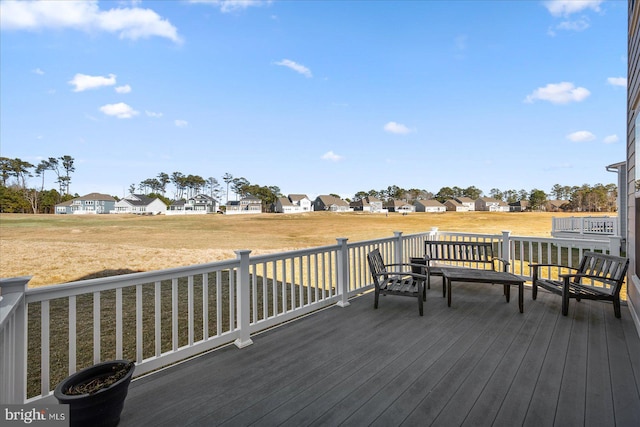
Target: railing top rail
[292,254]
[43,293]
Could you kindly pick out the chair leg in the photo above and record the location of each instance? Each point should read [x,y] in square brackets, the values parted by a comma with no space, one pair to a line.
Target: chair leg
[565,303]
[375,301]
[534,290]
[420,305]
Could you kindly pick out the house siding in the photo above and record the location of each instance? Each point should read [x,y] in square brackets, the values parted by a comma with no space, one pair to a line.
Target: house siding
[633,166]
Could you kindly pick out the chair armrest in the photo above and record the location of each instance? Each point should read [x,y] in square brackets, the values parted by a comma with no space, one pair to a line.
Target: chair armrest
[505,263]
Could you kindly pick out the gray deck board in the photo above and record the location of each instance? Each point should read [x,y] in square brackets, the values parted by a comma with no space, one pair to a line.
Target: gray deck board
[478,362]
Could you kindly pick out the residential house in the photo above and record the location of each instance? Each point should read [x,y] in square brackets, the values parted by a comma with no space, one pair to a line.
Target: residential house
[330,203]
[519,206]
[247,205]
[401,206]
[199,204]
[466,201]
[455,206]
[92,203]
[430,205]
[557,206]
[302,201]
[140,204]
[293,203]
[491,205]
[368,204]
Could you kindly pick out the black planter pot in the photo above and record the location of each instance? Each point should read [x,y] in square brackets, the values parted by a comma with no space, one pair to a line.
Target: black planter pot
[101,408]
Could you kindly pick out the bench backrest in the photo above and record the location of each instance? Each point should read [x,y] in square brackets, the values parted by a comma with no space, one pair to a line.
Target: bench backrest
[458,251]
[610,270]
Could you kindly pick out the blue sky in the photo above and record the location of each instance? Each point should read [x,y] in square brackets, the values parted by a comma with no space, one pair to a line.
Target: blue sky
[317,97]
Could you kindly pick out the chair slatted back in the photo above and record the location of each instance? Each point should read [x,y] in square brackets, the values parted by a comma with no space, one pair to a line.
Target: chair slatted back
[376,264]
[610,270]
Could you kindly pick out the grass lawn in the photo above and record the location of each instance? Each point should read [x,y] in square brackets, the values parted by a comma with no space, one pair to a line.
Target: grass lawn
[62,248]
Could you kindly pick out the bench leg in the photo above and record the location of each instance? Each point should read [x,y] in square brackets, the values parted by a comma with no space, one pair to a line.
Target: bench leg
[448,290]
[534,290]
[616,307]
[507,292]
[521,296]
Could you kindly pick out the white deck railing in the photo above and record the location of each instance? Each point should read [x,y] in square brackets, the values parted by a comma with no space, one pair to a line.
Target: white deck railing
[594,226]
[161,317]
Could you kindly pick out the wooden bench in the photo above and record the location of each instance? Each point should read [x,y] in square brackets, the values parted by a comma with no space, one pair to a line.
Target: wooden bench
[598,277]
[396,281]
[459,254]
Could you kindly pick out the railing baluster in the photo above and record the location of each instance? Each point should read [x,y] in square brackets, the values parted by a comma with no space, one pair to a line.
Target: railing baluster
[174,314]
[72,334]
[119,323]
[205,306]
[96,327]
[190,309]
[139,325]
[44,348]
[158,318]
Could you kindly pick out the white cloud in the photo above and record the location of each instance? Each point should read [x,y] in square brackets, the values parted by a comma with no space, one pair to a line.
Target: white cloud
[295,67]
[617,81]
[569,7]
[227,6]
[331,156]
[397,128]
[581,136]
[38,71]
[129,23]
[83,81]
[610,139]
[123,89]
[559,93]
[152,114]
[119,110]
[181,123]
[580,24]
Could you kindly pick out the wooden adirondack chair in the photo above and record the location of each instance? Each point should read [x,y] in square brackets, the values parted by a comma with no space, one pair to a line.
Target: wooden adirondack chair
[598,277]
[403,283]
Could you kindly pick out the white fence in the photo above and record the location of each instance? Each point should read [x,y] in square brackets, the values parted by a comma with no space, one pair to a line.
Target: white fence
[161,317]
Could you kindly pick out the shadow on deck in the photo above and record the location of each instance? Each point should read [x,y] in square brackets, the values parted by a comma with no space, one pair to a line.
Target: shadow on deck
[479,362]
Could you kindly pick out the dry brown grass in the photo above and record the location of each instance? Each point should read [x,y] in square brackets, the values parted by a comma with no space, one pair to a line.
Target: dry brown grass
[62,248]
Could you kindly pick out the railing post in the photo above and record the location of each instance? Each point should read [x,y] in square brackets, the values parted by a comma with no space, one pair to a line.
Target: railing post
[243,300]
[433,233]
[506,245]
[615,243]
[13,356]
[343,272]
[397,253]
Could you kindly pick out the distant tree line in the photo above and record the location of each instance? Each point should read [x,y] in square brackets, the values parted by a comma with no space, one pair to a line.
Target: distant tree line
[18,195]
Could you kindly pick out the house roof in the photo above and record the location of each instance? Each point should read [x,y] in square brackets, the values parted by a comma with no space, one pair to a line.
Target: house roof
[464,200]
[429,202]
[453,202]
[284,201]
[297,197]
[557,203]
[96,196]
[397,203]
[372,199]
[328,200]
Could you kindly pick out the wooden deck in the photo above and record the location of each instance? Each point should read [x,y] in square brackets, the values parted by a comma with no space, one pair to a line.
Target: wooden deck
[479,362]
